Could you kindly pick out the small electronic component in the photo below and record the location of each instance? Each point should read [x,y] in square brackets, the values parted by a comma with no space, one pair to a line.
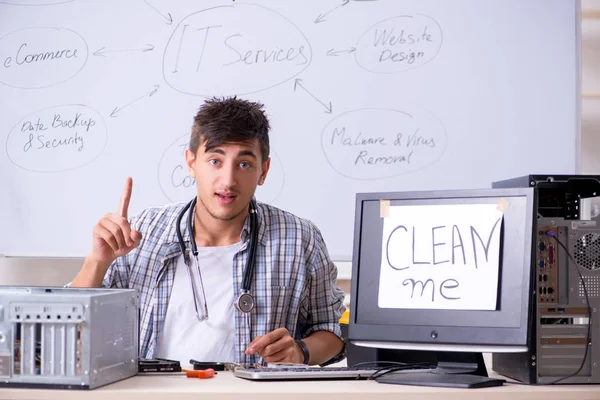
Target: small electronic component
[160,365]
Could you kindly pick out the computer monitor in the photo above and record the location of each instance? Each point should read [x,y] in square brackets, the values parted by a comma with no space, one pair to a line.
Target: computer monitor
[443,276]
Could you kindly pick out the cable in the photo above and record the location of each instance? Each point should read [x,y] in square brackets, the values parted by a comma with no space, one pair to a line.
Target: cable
[589,310]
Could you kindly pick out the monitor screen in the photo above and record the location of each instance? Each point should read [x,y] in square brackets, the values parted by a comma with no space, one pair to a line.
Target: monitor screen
[443,270]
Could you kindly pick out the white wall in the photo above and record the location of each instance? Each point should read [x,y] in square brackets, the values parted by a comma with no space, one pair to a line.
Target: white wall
[59,271]
[38,272]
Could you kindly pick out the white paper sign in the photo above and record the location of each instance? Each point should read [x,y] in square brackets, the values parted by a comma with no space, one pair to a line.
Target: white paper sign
[441,257]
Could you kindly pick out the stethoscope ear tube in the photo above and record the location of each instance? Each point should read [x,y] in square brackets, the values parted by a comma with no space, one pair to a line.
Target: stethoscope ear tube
[245,301]
[190,225]
[178,225]
[249,271]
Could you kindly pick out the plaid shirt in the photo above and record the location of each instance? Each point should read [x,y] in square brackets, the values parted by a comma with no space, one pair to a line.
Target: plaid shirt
[293,285]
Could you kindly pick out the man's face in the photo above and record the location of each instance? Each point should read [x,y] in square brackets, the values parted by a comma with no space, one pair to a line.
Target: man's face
[226,177]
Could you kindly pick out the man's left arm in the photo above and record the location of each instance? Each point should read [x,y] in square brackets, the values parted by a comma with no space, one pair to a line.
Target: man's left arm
[279,346]
[322,333]
[322,347]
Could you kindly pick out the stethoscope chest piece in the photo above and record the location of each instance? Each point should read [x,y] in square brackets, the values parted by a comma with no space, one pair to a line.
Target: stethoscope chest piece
[245,302]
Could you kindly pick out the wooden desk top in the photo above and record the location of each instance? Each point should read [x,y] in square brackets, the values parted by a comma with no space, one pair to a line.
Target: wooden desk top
[226,386]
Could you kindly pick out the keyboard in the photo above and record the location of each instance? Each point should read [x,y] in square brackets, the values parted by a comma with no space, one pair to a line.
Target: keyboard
[306,373]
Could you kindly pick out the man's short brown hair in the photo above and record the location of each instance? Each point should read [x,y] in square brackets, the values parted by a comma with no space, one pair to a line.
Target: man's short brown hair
[230,120]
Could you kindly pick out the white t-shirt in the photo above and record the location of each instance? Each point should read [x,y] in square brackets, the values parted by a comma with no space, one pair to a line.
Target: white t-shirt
[184,337]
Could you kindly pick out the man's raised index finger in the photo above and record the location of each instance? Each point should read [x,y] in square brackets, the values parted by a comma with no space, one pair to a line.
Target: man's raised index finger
[125,197]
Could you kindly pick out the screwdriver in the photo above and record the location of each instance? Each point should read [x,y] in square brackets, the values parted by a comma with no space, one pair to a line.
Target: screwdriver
[200,373]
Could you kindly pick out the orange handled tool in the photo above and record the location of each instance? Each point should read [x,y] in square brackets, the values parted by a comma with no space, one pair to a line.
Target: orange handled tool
[200,373]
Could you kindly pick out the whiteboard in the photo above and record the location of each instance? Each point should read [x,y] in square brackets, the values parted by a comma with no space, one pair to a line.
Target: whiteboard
[363,96]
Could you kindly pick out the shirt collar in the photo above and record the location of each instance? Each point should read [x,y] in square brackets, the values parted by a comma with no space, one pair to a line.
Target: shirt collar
[173,248]
[261,221]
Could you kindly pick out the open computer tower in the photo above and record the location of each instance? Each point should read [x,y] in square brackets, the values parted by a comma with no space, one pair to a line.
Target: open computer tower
[67,338]
[564,342]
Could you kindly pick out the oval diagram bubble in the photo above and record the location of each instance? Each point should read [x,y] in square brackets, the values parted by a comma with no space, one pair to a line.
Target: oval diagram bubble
[41,57]
[57,139]
[177,185]
[235,49]
[382,143]
[398,44]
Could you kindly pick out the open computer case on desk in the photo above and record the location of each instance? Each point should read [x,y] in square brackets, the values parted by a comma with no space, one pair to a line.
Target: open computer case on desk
[67,338]
[564,342]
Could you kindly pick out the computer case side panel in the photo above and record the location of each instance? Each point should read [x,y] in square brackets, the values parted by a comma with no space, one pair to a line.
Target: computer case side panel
[518,182]
[521,366]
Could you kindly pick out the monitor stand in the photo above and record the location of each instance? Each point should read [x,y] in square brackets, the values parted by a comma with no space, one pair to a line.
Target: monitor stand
[454,369]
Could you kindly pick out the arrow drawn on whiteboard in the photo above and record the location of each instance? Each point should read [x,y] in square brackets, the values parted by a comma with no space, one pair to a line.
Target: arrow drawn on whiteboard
[102,52]
[298,82]
[321,17]
[168,18]
[334,52]
[114,112]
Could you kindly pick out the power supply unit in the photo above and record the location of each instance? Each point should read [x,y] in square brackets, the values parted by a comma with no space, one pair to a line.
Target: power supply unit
[67,338]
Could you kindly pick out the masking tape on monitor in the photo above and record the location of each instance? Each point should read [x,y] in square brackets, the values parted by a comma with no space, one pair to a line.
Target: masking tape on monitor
[503,205]
[384,208]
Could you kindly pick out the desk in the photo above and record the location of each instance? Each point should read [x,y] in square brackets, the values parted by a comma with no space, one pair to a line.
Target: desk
[226,386]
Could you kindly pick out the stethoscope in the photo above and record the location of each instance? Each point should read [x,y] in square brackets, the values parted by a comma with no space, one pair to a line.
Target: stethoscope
[245,301]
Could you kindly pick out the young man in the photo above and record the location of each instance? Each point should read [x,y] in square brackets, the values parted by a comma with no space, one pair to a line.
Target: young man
[291,310]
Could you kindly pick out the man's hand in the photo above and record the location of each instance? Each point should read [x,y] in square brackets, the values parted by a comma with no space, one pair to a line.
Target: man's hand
[113,236]
[277,346]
